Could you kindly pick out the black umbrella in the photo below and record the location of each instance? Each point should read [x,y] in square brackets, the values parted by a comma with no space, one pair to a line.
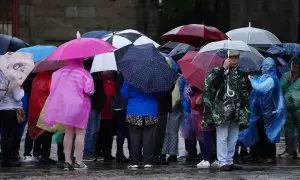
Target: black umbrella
[146,69]
[10,44]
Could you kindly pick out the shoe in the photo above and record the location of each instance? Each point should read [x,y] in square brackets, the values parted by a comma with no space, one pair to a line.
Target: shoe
[287,155]
[148,166]
[47,161]
[68,167]
[28,159]
[269,161]
[11,164]
[215,164]
[80,166]
[121,159]
[88,157]
[190,158]
[135,166]
[172,158]
[235,167]
[16,156]
[203,164]
[225,168]
[109,158]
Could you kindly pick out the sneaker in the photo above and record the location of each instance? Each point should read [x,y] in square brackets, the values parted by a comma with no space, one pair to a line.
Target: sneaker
[287,155]
[148,166]
[134,166]
[68,167]
[215,164]
[28,159]
[203,164]
[80,166]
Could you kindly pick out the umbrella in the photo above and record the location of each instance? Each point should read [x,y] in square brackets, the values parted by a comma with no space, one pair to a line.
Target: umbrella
[180,50]
[168,47]
[16,67]
[96,34]
[39,52]
[171,62]
[146,69]
[195,34]
[80,48]
[285,49]
[250,58]
[10,44]
[253,36]
[128,37]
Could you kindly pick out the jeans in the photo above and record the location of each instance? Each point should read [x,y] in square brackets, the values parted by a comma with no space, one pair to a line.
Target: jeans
[208,148]
[227,136]
[92,130]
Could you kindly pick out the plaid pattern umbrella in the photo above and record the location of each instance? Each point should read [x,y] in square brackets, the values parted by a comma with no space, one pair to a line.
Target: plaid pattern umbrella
[195,34]
[146,69]
[128,37]
[285,49]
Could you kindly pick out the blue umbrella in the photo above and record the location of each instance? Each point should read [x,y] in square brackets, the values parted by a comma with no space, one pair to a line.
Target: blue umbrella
[174,65]
[96,34]
[10,44]
[285,49]
[39,52]
[146,69]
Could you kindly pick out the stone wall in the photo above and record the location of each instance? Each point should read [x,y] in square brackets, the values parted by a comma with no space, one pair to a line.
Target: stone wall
[56,21]
[278,16]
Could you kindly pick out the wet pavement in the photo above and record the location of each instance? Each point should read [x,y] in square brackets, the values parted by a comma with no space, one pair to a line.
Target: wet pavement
[284,169]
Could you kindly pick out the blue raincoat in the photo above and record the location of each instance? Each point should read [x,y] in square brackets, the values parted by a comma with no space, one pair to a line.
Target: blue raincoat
[267,103]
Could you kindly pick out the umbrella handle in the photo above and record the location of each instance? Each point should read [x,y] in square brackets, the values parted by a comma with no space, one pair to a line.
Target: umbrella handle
[229,91]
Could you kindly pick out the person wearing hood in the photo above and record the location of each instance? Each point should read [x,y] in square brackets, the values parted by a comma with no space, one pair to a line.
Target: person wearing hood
[268,114]
[69,104]
[290,84]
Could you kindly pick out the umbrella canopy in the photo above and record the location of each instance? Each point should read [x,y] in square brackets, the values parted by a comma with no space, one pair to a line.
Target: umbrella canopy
[128,37]
[80,48]
[16,67]
[171,62]
[180,50]
[39,52]
[146,69]
[96,34]
[250,58]
[10,44]
[285,49]
[253,36]
[168,47]
[195,34]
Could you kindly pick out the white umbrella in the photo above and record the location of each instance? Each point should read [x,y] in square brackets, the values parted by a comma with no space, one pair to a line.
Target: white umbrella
[253,36]
[16,67]
[250,58]
[104,62]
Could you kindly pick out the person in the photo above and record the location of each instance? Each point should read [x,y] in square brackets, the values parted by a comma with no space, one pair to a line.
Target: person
[170,145]
[119,108]
[10,104]
[142,117]
[290,84]
[227,90]
[268,114]
[69,104]
[42,139]
[107,123]
[164,108]
[98,100]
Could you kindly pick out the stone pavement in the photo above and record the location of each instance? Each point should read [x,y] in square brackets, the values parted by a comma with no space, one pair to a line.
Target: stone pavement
[31,171]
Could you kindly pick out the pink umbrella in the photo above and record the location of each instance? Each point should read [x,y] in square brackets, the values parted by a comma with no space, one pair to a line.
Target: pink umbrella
[80,48]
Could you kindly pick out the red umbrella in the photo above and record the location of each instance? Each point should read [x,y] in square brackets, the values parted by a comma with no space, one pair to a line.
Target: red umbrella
[195,66]
[195,34]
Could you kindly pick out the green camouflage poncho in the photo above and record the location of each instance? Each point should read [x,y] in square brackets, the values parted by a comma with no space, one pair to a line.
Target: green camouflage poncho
[218,106]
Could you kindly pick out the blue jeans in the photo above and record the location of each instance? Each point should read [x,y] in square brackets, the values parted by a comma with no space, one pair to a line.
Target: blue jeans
[92,130]
[208,141]
[227,136]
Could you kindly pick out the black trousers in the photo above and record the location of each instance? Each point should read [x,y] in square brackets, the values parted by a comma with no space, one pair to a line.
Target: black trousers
[31,145]
[9,135]
[105,138]
[43,142]
[60,150]
[142,137]
[160,133]
[122,132]
[263,148]
[191,147]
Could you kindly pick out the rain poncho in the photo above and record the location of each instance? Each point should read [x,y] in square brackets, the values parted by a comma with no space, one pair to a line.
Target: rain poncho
[266,102]
[69,102]
[291,91]
[39,94]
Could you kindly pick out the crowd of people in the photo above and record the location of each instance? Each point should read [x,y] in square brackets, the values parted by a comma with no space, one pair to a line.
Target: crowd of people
[237,114]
